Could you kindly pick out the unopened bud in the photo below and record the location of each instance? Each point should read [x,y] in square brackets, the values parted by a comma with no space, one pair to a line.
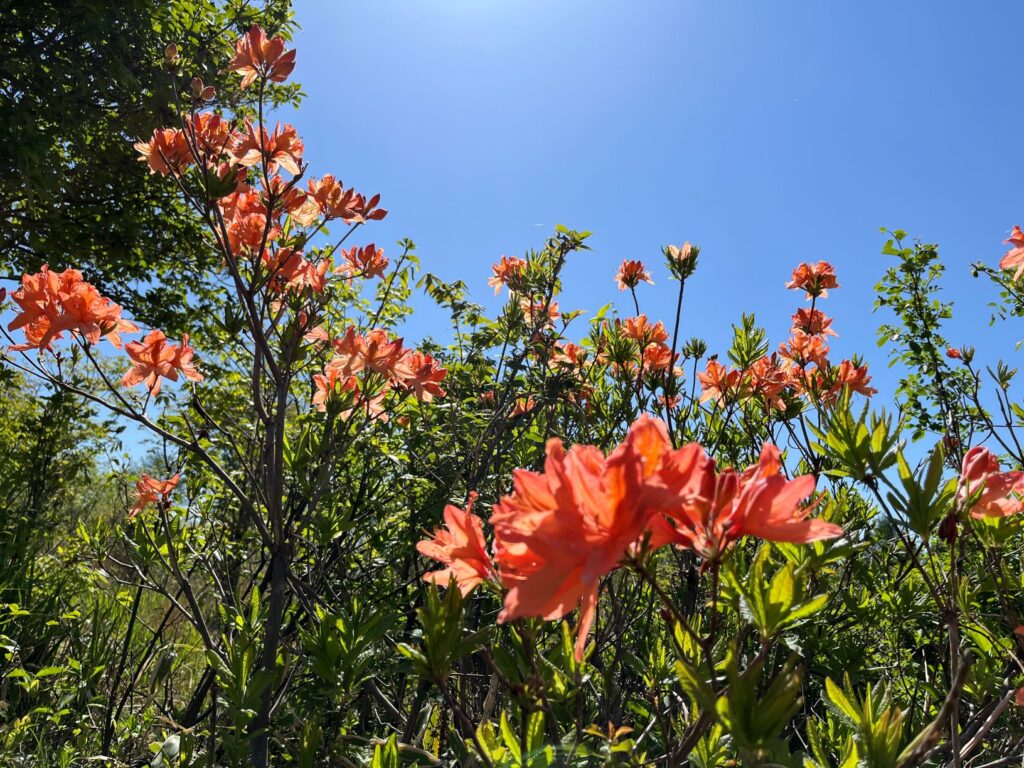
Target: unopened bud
[948,529]
[201,91]
[682,259]
[171,52]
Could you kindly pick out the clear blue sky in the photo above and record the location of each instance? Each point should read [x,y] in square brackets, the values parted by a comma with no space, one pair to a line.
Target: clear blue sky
[769,133]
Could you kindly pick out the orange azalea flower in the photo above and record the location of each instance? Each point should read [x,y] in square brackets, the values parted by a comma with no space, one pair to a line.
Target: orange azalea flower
[804,349]
[639,330]
[325,191]
[631,273]
[349,353]
[54,302]
[332,382]
[282,147]
[768,381]
[225,177]
[1000,491]
[718,383]
[562,530]
[669,402]
[40,301]
[302,207]
[284,195]
[368,261]
[371,407]
[247,233]
[167,152]
[534,310]
[1015,256]
[720,508]
[90,315]
[383,354]
[211,134]
[361,210]
[658,357]
[953,353]
[813,322]
[238,205]
[506,272]
[855,377]
[810,382]
[288,271]
[256,56]
[461,546]
[422,375]
[150,491]
[317,335]
[155,359]
[523,406]
[816,279]
[568,354]
[334,201]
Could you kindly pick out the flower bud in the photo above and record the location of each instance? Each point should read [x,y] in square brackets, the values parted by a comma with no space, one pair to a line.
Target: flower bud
[171,52]
[948,529]
[682,259]
[695,348]
[201,91]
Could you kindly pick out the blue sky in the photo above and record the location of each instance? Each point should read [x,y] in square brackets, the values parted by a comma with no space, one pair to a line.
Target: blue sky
[769,133]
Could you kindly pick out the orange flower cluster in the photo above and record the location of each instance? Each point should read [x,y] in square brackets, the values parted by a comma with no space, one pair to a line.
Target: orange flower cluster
[167,152]
[281,148]
[816,279]
[289,272]
[568,355]
[398,368]
[651,355]
[987,491]
[249,223]
[534,312]
[252,220]
[333,201]
[209,140]
[631,274]
[506,273]
[51,303]
[256,56]
[155,358]
[1014,258]
[151,491]
[462,547]
[562,530]
[368,261]
[801,367]
[719,383]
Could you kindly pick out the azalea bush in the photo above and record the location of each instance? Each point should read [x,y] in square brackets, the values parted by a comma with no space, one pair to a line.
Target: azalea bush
[550,539]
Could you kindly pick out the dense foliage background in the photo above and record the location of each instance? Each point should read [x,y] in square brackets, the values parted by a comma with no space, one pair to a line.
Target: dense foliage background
[253,593]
